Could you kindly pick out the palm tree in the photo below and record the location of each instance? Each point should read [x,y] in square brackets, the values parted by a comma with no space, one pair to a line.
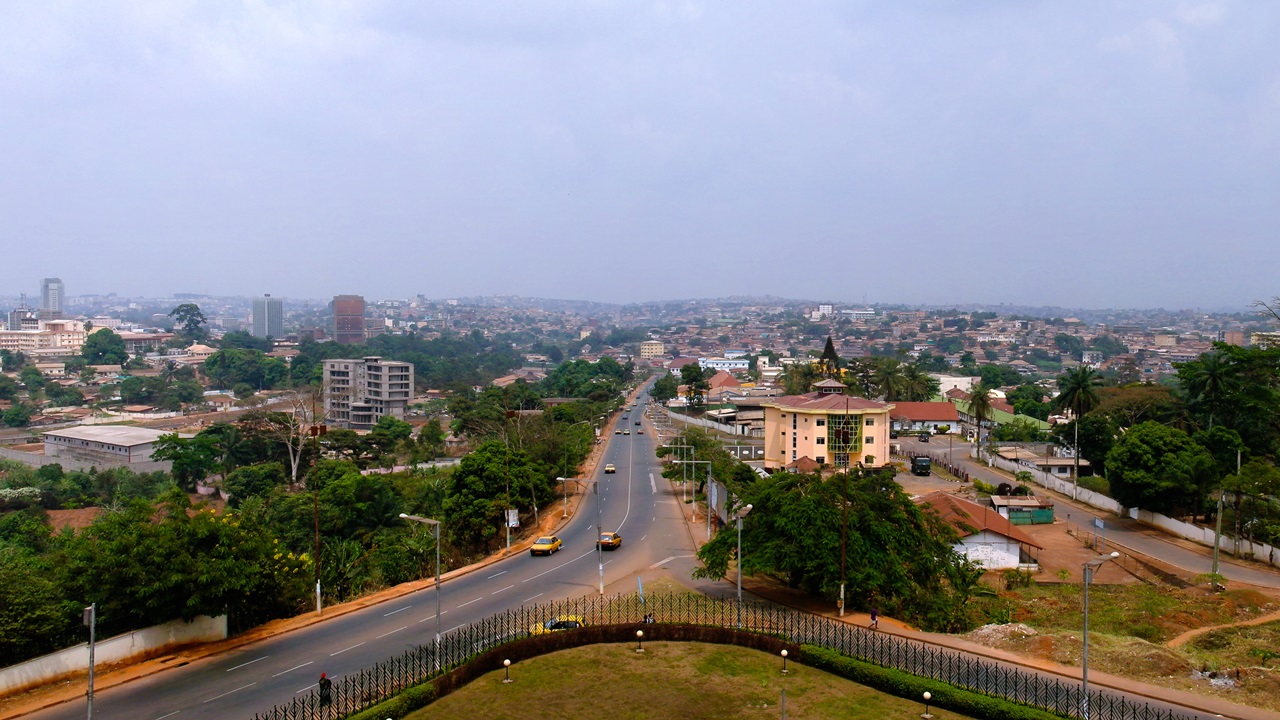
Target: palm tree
[1078,392]
[917,385]
[980,409]
[1209,381]
[889,379]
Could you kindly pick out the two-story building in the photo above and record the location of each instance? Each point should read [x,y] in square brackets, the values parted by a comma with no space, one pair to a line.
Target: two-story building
[827,426]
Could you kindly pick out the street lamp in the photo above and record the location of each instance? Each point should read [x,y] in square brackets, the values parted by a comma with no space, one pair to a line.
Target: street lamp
[740,514]
[595,488]
[1089,569]
[435,526]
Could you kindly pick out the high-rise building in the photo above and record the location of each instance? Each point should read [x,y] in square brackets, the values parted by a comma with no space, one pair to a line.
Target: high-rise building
[348,319]
[357,393]
[268,317]
[52,293]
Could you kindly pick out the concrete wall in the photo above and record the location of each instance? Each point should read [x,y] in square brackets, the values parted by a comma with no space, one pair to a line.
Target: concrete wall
[1200,535]
[68,463]
[132,645]
[680,420]
[990,550]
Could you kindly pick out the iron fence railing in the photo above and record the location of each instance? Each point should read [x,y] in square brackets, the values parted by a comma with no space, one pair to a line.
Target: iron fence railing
[356,691]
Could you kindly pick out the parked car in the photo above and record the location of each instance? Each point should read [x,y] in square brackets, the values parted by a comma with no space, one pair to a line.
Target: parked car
[610,469]
[545,545]
[557,624]
[924,437]
[609,541]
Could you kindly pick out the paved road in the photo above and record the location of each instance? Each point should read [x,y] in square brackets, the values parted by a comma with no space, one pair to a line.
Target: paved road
[1129,533]
[635,502]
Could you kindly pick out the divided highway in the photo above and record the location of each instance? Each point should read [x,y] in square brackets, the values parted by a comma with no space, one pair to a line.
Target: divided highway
[635,501]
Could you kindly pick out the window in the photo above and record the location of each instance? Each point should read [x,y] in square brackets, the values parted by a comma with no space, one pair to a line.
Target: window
[822,441]
[821,422]
[871,421]
[870,439]
[822,460]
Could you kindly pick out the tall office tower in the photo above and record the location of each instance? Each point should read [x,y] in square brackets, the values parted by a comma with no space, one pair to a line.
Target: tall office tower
[52,292]
[268,317]
[348,319]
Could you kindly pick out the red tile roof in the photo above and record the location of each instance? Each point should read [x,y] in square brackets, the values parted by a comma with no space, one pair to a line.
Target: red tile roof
[926,411]
[970,518]
[829,401]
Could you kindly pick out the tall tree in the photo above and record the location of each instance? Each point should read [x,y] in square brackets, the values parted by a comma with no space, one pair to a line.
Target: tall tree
[188,316]
[104,347]
[1210,383]
[1078,392]
[1159,468]
[830,360]
[980,409]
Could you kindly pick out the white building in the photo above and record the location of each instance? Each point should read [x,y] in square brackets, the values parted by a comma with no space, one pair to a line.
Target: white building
[986,537]
[268,317]
[726,364]
[110,445]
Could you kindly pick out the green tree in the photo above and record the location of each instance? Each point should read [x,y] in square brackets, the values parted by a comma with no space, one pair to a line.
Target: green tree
[1019,430]
[1210,383]
[664,388]
[1159,468]
[18,415]
[1077,392]
[193,459]
[8,388]
[898,557]
[694,378]
[1094,434]
[829,362]
[252,480]
[104,347]
[980,409]
[191,320]
[33,620]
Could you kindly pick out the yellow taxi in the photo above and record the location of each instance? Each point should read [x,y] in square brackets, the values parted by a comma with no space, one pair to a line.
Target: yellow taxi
[609,541]
[609,469]
[545,545]
[557,624]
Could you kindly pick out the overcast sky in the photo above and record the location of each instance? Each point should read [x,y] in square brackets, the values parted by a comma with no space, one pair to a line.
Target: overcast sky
[1082,154]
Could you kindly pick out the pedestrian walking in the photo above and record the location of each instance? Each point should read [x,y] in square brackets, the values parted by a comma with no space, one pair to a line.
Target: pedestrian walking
[326,690]
[875,619]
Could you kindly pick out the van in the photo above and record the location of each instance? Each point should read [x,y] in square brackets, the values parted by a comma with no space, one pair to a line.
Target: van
[921,465]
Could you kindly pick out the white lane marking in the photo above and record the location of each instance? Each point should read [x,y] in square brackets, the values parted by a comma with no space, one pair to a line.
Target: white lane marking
[645,536]
[469,602]
[653,485]
[215,697]
[393,632]
[455,627]
[535,597]
[504,572]
[535,577]
[432,617]
[353,647]
[175,712]
[295,667]
[393,612]
[264,657]
[306,688]
[495,592]
[660,563]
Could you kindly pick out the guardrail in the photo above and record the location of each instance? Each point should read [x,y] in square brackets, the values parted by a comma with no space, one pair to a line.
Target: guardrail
[365,688]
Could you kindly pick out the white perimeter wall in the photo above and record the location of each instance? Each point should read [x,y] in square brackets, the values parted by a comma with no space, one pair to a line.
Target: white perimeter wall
[134,644]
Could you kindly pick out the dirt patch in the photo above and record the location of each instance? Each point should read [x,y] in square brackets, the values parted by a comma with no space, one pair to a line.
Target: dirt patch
[77,519]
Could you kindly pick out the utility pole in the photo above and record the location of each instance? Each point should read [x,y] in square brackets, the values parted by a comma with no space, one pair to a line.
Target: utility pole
[91,620]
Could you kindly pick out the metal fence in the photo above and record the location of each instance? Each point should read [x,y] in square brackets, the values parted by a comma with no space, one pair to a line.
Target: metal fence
[359,690]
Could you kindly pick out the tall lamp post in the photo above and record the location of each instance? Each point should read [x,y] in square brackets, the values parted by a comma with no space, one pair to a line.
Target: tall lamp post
[1089,569]
[564,482]
[595,488]
[435,527]
[740,514]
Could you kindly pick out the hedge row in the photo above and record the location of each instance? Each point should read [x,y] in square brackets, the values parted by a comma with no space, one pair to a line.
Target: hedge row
[913,687]
[397,707]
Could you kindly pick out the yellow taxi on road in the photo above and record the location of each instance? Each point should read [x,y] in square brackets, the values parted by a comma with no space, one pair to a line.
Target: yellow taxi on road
[545,545]
[609,541]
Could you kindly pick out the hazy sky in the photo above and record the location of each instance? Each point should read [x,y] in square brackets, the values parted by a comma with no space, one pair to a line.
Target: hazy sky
[1075,153]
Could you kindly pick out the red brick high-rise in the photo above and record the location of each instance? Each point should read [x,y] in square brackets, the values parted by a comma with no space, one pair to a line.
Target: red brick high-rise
[348,319]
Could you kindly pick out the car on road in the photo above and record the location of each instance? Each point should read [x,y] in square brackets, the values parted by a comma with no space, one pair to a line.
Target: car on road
[924,437]
[545,545]
[557,624]
[610,469]
[617,431]
[626,432]
[640,431]
[637,422]
[609,541]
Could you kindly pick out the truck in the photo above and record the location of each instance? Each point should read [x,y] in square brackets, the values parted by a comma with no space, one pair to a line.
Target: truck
[921,465]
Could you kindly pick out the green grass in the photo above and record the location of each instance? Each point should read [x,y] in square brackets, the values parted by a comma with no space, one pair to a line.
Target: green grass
[685,680]
[1155,614]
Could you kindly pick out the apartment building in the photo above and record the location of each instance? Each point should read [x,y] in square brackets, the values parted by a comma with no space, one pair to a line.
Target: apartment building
[348,319]
[357,393]
[650,349]
[268,317]
[827,427]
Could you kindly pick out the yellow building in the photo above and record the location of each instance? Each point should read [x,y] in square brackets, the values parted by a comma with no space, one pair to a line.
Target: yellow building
[827,427]
[650,349]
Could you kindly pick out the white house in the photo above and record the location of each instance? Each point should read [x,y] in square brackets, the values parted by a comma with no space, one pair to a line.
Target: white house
[986,537]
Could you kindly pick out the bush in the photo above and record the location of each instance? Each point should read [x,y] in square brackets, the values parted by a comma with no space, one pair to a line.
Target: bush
[912,687]
[415,698]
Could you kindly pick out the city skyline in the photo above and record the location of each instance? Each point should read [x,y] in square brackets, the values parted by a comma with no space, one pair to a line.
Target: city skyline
[1090,155]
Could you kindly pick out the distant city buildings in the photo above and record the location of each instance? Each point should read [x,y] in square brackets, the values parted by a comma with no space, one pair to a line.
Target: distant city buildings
[268,317]
[348,319]
[357,393]
[52,294]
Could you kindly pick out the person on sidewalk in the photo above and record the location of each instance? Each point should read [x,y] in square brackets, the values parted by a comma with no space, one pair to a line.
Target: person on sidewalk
[326,690]
[875,619]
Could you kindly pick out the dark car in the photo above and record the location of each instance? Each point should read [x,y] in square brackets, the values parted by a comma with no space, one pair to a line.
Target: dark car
[924,437]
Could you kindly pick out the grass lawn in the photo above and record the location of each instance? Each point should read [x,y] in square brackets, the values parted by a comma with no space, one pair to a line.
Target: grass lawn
[668,680]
